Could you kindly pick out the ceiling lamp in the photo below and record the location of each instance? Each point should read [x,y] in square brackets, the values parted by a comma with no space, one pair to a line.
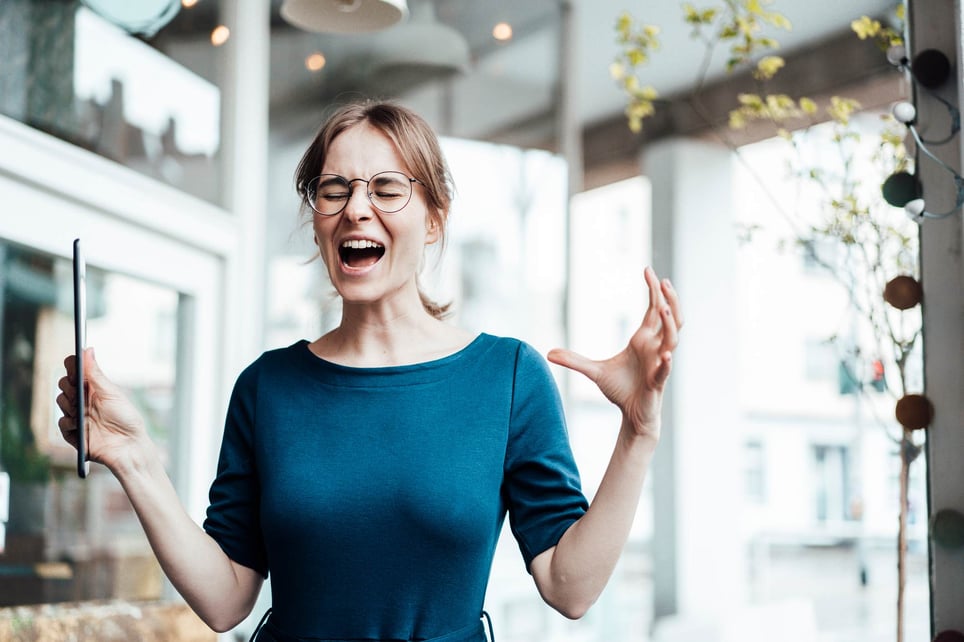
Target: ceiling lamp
[420,50]
[143,17]
[344,16]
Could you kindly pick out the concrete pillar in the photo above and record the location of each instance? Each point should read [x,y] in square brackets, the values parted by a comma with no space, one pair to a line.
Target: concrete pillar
[939,24]
[569,136]
[244,112]
[698,560]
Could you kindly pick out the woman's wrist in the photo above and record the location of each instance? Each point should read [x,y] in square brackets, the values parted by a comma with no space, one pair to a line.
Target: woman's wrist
[638,438]
[640,430]
[139,457]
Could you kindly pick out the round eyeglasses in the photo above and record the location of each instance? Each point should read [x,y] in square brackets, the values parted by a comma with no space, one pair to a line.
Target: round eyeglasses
[388,192]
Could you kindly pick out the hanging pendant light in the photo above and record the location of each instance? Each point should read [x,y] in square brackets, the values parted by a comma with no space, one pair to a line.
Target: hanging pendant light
[141,17]
[421,50]
[344,16]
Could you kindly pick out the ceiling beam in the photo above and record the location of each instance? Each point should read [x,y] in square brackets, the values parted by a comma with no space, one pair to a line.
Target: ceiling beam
[842,64]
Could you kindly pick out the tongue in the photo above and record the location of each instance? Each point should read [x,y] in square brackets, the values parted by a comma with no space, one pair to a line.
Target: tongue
[363,257]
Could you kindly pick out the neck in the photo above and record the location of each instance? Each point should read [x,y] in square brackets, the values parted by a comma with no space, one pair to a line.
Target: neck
[369,337]
[378,335]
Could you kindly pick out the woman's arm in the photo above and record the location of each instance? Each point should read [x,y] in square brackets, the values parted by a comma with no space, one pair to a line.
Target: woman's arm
[221,591]
[571,575]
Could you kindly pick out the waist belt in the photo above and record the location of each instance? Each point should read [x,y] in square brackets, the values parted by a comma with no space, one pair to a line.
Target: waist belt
[475,632]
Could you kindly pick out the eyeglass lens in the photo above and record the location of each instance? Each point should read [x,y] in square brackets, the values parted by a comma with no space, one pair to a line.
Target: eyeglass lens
[388,192]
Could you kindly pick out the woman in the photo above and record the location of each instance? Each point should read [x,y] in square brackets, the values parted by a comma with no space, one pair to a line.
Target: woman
[371,469]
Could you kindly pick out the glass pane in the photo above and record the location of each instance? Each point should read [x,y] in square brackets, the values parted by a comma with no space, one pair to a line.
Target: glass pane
[68,539]
[822,537]
[72,74]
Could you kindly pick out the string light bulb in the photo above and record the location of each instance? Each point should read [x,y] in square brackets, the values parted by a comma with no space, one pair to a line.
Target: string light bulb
[315,62]
[220,35]
[502,31]
[904,112]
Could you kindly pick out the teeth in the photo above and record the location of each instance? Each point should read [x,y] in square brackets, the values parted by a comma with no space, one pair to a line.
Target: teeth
[359,244]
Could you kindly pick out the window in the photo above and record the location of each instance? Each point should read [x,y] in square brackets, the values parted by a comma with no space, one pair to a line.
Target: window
[121,97]
[832,496]
[820,359]
[67,539]
[754,471]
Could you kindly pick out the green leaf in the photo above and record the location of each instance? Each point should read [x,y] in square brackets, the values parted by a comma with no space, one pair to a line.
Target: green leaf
[636,57]
[690,14]
[767,67]
[865,27]
[624,23]
[780,21]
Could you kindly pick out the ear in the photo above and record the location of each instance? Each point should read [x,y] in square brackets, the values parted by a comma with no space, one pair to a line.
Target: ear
[433,231]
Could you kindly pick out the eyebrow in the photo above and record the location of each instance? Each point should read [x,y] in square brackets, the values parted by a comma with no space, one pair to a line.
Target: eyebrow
[334,180]
[389,179]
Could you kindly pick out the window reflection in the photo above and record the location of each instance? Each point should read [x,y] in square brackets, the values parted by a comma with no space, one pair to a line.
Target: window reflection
[70,73]
[67,539]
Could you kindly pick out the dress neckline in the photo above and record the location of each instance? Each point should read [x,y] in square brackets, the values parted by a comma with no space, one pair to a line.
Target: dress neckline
[475,344]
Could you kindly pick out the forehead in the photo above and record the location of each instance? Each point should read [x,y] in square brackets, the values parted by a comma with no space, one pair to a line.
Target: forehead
[360,151]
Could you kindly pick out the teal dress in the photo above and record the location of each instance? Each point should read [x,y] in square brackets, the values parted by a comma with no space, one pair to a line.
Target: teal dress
[374,497]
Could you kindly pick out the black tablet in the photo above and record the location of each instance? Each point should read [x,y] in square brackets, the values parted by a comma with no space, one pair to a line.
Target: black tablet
[80,340]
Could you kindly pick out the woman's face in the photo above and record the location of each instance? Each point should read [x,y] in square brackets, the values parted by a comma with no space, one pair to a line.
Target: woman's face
[372,257]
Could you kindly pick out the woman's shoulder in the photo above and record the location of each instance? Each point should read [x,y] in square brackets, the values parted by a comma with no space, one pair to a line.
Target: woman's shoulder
[520,353]
[276,358]
[284,354]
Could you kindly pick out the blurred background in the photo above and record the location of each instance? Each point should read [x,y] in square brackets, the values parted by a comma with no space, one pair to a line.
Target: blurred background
[167,141]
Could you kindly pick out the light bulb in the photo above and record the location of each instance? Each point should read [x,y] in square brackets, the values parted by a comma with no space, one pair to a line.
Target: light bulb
[502,31]
[915,210]
[904,112]
[897,55]
[220,35]
[315,62]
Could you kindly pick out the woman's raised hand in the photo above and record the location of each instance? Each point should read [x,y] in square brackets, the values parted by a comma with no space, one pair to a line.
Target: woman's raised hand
[114,425]
[634,378]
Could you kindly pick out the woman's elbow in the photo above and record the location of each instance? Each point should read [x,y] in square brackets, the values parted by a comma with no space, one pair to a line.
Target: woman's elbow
[573,605]
[224,616]
[220,622]
[572,608]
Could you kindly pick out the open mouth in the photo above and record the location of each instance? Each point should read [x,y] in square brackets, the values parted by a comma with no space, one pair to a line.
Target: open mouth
[360,253]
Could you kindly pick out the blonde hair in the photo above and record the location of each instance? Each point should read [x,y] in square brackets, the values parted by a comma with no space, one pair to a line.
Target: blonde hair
[416,143]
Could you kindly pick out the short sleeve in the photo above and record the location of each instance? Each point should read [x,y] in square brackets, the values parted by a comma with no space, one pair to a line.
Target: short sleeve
[542,490]
[233,516]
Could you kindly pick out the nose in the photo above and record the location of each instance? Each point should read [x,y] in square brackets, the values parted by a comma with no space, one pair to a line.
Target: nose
[358,207]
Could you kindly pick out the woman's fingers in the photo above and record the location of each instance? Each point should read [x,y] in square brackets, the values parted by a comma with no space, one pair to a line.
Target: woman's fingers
[670,332]
[67,401]
[672,299]
[67,406]
[575,361]
[70,364]
[663,368]
[652,316]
